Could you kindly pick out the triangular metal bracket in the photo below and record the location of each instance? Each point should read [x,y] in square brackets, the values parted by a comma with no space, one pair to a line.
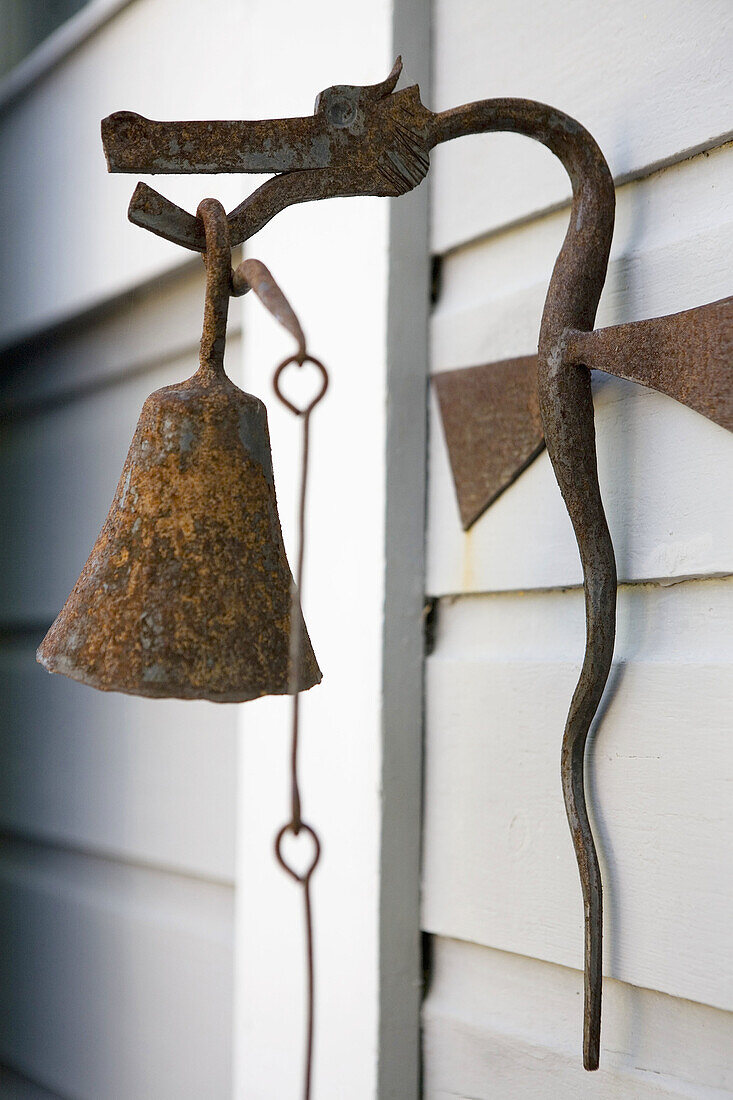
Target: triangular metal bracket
[491,416]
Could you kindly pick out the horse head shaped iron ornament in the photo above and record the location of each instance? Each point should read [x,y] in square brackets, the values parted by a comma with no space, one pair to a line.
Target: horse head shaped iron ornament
[375,140]
[359,141]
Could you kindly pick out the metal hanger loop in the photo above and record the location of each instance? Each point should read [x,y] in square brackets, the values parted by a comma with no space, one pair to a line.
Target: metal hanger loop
[218,260]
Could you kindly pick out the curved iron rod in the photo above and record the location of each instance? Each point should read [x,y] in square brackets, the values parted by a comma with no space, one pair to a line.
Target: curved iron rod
[252,274]
[566,406]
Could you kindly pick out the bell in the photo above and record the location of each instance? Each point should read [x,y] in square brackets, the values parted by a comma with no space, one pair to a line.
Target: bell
[187,592]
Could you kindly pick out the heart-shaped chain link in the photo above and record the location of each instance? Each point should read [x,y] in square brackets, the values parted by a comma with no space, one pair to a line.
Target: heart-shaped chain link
[300,361]
[289,829]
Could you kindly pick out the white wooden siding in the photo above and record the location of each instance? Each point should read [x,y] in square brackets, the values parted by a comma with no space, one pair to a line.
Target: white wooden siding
[112,976]
[499,864]
[503,1015]
[64,449]
[116,878]
[152,785]
[14,1086]
[652,82]
[504,1027]
[69,243]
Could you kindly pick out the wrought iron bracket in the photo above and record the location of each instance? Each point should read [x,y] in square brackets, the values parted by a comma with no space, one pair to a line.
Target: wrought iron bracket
[376,140]
[490,414]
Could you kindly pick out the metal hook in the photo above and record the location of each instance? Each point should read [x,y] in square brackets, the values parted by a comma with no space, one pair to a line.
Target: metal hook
[253,275]
[218,260]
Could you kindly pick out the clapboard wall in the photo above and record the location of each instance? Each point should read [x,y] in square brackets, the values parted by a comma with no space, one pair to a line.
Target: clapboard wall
[145,959]
[117,864]
[118,815]
[501,897]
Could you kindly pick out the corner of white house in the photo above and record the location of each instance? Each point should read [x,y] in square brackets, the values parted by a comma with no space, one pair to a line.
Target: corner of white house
[357,272]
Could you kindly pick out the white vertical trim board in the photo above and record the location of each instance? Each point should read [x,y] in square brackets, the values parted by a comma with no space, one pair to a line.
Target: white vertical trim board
[356,272]
[403,627]
[340,753]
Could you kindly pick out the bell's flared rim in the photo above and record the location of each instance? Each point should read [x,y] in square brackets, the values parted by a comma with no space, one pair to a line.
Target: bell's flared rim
[71,671]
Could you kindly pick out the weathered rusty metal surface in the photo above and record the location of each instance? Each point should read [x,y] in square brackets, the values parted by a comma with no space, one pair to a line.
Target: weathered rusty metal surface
[152,211]
[687,355]
[348,122]
[253,275]
[493,429]
[376,141]
[490,413]
[566,408]
[366,140]
[187,591]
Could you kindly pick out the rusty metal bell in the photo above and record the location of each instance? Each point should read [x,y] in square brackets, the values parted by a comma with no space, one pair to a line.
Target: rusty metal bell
[187,592]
